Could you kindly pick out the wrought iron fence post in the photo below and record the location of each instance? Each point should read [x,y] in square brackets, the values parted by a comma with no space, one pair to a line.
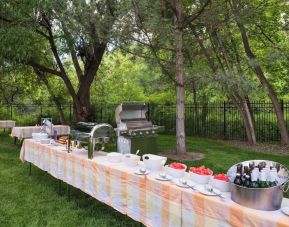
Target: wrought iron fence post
[11,111]
[148,113]
[101,112]
[224,121]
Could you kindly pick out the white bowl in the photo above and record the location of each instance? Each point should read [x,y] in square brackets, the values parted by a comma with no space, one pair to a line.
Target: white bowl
[114,157]
[131,160]
[200,179]
[154,162]
[221,185]
[175,173]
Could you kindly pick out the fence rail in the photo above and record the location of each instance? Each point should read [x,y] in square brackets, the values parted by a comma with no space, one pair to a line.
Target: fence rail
[217,120]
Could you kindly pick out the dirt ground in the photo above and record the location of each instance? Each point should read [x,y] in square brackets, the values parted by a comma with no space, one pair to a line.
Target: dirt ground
[272,148]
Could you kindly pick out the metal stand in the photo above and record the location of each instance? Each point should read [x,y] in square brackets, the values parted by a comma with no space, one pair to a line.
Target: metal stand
[29,169]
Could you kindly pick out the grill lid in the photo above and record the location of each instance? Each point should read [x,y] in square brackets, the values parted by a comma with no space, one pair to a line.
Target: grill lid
[131,111]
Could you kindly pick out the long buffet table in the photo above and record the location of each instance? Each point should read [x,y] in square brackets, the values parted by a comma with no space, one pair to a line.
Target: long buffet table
[143,198]
[26,131]
[7,124]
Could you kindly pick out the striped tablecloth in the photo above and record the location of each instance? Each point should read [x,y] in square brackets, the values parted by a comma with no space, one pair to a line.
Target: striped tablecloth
[144,198]
[7,124]
[26,132]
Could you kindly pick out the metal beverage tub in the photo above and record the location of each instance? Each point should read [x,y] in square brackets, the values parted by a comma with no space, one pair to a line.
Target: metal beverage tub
[267,199]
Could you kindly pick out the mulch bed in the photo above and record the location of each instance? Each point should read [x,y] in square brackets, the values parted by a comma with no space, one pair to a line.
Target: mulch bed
[272,148]
[188,156]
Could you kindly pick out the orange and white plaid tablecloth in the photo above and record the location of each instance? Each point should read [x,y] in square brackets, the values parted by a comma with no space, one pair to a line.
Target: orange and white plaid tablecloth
[7,124]
[144,198]
[26,132]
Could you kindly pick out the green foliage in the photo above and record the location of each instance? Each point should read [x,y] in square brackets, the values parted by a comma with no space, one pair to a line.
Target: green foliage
[122,77]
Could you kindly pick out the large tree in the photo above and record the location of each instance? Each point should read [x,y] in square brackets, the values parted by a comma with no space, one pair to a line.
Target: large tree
[47,35]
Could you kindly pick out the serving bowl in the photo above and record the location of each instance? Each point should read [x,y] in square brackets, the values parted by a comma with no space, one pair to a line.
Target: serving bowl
[114,157]
[223,186]
[154,162]
[200,179]
[131,160]
[175,173]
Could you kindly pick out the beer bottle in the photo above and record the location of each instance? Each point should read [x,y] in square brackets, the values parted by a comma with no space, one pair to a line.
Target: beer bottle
[263,180]
[251,166]
[272,177]
[254,182]
[240,169]
[238,179]
[247,182]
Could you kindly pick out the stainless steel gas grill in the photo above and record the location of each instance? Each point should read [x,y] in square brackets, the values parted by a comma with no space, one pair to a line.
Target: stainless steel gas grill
[94,135]
[134,131]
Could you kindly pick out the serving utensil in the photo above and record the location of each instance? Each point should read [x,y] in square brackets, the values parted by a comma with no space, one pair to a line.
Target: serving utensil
[185,182]
[210,189]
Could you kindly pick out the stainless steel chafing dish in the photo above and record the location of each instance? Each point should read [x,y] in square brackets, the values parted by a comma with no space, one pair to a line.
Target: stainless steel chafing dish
[94,135]
[260,198]
[134,131]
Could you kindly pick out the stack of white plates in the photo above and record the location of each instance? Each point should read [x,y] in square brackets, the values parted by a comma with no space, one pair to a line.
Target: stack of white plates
[39,136]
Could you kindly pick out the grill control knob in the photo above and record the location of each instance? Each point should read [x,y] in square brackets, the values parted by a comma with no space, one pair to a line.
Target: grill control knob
[147,132]
[153,132]
[140,133]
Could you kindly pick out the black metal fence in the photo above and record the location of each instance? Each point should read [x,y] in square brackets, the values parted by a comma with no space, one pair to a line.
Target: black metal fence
[215,120]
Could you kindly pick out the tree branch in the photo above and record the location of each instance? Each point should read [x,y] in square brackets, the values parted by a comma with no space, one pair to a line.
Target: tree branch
[43,68]
[68,38]
[189,19]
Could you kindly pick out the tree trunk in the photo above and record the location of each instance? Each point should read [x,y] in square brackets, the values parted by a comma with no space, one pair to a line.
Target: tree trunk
[242,105]
[259,73]
[180,90]
[84,99]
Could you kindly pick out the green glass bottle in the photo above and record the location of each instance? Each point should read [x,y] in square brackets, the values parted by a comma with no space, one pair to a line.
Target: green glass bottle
[254,181]
[273,177]
[263,180]
[90,150]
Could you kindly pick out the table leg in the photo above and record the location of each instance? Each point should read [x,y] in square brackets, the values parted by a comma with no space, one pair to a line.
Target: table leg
[68,192]
[15,140]
[29,169]
[59,187]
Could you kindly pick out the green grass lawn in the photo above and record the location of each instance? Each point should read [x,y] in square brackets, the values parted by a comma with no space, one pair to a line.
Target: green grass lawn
[34,200]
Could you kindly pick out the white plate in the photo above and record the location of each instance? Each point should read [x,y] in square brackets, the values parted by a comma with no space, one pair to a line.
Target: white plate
[137,172]
[285,210]
[177,182]
[168,178]
[203,190]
